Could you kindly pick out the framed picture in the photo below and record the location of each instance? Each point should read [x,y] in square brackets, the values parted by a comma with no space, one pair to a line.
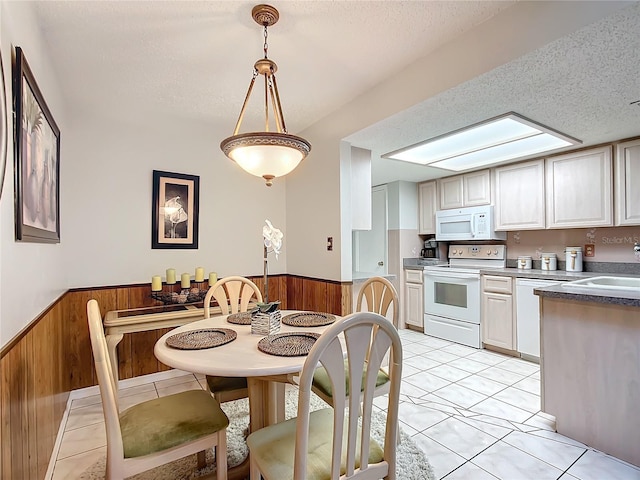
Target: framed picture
[37,160]
[4,129]
[175,210]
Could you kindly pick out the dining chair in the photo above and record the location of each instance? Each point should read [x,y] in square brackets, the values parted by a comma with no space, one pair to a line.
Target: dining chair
[158,431]
[233,294]
[336,442]
[377,295]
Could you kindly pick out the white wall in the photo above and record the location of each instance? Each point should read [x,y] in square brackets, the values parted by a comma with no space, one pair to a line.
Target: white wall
[107,222]
[31,275]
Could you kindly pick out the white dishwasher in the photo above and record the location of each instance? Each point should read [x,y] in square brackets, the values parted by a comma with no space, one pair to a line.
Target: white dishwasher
[528,316]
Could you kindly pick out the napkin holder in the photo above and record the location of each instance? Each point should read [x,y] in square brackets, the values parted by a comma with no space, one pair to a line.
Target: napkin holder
[266,319]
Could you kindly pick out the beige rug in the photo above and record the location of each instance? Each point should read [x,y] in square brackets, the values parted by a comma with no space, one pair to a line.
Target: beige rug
[412,463]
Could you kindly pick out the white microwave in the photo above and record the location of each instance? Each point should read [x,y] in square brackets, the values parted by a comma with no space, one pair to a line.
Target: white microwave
[470,223]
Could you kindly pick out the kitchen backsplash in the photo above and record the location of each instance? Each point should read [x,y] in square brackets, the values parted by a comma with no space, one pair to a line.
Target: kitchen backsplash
[612,244]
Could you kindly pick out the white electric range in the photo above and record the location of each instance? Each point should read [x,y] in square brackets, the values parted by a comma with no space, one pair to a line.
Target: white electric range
[452,292]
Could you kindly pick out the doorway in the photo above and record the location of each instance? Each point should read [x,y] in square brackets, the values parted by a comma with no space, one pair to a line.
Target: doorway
[370,246]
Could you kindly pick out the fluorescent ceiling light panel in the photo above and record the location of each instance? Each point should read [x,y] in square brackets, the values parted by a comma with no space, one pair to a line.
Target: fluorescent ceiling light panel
[506,137]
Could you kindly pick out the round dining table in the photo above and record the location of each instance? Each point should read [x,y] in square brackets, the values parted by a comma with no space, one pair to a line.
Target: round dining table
[266,373]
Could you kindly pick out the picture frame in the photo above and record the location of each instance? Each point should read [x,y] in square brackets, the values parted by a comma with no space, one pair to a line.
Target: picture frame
[37,160]
[175,210]
[4,128]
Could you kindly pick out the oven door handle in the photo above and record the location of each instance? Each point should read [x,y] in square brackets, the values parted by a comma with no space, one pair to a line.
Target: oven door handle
[452,275]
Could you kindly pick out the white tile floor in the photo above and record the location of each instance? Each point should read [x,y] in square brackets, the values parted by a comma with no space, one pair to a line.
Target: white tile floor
[475,413]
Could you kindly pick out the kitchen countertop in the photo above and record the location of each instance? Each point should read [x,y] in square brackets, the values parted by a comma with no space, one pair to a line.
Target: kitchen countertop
[616,297]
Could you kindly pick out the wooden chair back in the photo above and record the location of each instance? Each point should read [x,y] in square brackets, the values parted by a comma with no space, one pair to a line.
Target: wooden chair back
[233,295]
[363,339]
[380,295]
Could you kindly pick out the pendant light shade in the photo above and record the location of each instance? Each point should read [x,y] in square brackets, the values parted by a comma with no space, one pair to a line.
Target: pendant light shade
[267,154]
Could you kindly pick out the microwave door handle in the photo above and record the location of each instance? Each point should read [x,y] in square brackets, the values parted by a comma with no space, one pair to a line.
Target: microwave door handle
[474,219]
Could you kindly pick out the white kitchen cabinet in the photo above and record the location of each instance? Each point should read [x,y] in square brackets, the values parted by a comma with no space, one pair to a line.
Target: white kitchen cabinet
[579,189]
[450,191]
[476,188]
[414,298]
[627,183]
[427,203]
[498,322]
[467,190]
[519,196]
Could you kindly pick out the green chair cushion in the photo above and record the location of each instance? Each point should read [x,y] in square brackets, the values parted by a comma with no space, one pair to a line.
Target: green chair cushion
[166,422]
[225,384]
[273,448]
[322,382]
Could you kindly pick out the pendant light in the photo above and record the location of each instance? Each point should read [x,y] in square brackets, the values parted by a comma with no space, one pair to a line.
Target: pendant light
[267,154]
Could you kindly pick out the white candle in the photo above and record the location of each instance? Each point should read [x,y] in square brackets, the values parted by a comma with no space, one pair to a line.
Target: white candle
[185,280]
[156,283]
[199,274]
[171,276]
[213,278]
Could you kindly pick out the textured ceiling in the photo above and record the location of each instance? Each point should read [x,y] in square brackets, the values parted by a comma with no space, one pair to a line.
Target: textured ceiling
[194,60]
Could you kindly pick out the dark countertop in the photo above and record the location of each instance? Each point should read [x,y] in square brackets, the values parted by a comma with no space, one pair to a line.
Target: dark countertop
[577,294]
[616,297]
[560,275]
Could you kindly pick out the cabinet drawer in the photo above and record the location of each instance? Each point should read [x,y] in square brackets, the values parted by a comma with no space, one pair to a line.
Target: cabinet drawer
[494,283]
[413,276]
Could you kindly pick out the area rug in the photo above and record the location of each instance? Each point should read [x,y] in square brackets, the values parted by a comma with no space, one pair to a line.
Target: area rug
[412,463]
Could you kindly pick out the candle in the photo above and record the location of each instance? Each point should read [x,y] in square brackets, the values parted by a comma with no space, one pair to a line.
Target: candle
[185,280]
[171,276]
[213,278]
[156,283]
[199,274]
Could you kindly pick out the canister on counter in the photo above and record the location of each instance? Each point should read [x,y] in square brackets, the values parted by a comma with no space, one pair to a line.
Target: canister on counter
[524,262]
[573,256]
[549,261]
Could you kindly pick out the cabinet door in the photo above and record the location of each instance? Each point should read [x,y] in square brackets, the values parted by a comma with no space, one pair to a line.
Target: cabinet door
[476,188]
[627,185]
[519,194]
[415,311]
[579,189]
[450,189]
[497,320]
[427,207]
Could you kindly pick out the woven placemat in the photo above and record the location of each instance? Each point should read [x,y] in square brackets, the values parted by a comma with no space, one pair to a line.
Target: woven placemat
[308,319]
[199,339]
[288,344]
[240,318]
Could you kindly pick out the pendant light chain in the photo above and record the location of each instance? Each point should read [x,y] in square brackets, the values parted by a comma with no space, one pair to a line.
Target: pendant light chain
[265,45]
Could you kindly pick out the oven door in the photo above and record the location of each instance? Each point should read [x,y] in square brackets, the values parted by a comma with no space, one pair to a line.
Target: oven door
[453,295]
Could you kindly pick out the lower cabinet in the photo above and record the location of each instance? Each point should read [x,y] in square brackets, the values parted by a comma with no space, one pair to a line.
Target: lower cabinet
[498,319]
[414,299]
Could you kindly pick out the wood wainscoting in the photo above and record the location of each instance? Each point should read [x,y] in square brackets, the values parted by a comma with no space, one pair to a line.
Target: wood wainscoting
[52,356]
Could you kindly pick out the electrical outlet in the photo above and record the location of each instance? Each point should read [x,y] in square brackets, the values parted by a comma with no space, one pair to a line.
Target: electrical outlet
[589,250]
[329,244]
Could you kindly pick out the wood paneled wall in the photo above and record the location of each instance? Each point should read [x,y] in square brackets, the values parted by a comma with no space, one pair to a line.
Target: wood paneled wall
[52,357]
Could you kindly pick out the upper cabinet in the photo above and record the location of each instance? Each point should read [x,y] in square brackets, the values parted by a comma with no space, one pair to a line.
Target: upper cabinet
[627,187]
[579,189]
[519,196]
[427,208]
[468,190]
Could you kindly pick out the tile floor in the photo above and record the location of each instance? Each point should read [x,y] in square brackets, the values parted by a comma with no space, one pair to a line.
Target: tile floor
[475,413]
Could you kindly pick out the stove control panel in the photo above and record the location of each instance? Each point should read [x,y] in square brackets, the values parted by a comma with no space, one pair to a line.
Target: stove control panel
[493,252]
